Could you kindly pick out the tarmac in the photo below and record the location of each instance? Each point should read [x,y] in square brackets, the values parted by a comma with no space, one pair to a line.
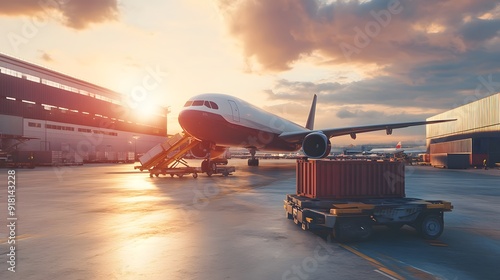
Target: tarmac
[108,221]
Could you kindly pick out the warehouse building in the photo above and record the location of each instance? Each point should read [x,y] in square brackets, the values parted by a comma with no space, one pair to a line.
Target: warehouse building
[57,118]
[470,140]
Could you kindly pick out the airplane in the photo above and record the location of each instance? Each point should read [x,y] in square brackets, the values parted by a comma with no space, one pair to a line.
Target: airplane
[398,149]
[220,121]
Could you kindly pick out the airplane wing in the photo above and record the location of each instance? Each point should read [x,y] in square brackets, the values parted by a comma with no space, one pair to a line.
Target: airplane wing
[300,135]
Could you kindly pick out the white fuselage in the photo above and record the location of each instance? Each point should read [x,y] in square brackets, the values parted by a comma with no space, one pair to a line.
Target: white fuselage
[229,121]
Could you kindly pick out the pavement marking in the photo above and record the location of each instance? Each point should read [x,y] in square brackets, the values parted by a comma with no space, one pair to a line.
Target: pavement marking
[380,267]
[437,243]
[385,274]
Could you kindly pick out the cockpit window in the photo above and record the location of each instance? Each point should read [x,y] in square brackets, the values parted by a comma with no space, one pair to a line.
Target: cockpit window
[214,105]
[209,104]
[198,103]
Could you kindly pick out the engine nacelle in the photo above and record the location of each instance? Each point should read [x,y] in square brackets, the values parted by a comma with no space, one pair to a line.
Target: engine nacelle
[316,145]
[201,150]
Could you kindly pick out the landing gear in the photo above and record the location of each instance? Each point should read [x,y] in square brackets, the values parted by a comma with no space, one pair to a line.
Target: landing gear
[208,167]
[253,161]
[214,166]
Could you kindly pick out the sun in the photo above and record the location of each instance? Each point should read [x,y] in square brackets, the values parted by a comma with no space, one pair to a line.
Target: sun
[146,109]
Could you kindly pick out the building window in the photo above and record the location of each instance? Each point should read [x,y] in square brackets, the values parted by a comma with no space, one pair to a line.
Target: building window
[34,124]
[105,133]
[59,127]
[86,130]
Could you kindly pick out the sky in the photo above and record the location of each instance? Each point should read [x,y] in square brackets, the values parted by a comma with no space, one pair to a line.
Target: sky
[369,62]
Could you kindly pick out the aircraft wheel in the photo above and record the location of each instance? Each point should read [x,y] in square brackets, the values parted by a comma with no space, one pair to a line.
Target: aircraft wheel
[195,175]
[204,166]
[253,162]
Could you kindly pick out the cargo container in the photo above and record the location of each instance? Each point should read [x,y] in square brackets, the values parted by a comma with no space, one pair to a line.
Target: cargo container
[349,197]
[350,179]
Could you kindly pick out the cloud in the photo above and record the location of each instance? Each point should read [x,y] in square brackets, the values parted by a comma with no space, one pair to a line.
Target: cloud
[432,55]
[76,14]
[46,57]
[278,33]
[480,30]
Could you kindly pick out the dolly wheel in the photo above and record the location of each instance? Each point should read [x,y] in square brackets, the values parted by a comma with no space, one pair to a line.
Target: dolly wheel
[431,226]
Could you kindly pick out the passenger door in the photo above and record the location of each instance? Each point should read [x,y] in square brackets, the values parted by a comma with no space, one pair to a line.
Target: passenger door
[234,109]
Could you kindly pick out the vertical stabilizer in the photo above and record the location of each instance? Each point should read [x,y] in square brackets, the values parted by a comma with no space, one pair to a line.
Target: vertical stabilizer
[399,146]
[312,113]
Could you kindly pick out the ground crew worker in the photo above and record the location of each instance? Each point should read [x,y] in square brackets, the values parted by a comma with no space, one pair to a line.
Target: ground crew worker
[484,164]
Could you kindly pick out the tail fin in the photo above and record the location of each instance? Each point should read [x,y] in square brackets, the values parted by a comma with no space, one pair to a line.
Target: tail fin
[399,146]
[312,113]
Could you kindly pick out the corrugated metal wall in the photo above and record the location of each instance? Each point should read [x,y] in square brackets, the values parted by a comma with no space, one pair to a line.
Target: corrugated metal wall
[458,146]
[480,116]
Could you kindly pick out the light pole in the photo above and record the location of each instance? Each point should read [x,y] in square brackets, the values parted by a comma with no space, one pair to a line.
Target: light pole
[135,146]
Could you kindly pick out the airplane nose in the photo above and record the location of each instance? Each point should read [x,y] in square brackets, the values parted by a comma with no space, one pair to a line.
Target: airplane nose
[189,120]
[183,119]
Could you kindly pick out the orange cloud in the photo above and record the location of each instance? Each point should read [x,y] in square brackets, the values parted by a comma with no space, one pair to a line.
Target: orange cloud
[77,14]
[389,33]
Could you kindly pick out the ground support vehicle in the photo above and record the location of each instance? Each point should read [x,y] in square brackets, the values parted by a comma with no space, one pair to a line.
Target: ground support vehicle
[217,166]
[165,159]
[352,219]
[174,170]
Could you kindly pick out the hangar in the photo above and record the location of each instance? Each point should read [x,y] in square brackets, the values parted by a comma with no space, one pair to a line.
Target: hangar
[59,118]
[470,140]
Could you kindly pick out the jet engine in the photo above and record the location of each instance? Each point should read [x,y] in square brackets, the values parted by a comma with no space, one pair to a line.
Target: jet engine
[316,145]
[202,148]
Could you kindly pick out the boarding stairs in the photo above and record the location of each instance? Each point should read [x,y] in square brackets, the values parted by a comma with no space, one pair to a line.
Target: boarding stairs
[166,157]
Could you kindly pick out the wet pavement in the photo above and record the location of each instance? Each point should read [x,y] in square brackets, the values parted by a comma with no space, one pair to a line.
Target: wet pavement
[104,221]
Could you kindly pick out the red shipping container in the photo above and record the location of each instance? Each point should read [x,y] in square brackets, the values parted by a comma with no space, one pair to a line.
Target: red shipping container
[350,179]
